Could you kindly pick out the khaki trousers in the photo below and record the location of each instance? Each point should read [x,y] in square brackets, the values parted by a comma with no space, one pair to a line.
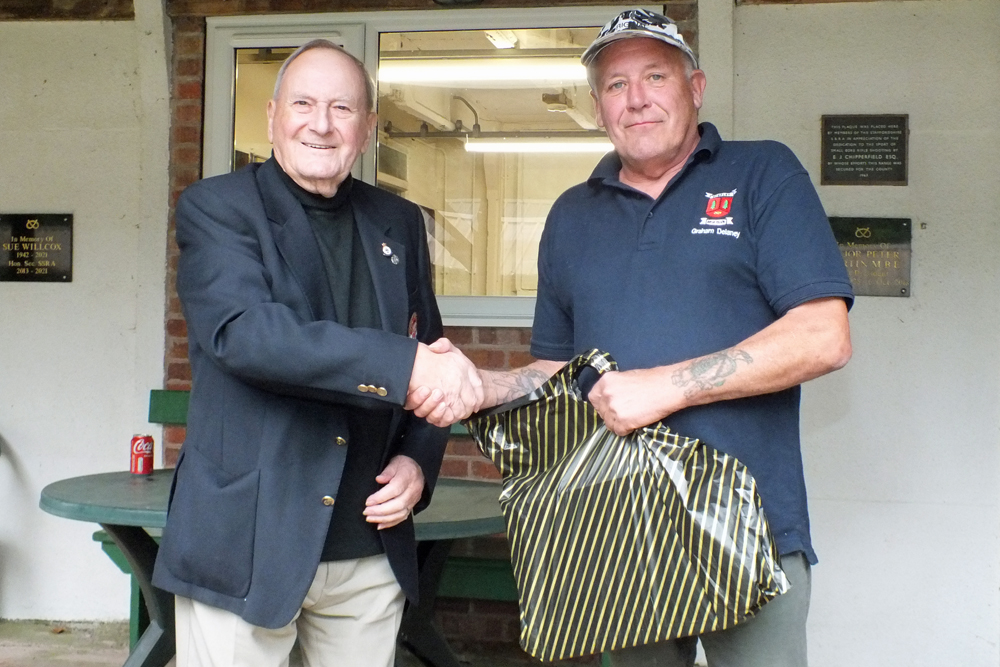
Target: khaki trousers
[350,618]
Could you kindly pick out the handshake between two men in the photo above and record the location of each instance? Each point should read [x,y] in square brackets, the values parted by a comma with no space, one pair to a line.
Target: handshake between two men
[445,387]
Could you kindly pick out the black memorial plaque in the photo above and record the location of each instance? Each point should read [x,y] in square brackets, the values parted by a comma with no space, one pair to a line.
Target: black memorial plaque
[36,247]
[864,150]
[877,254]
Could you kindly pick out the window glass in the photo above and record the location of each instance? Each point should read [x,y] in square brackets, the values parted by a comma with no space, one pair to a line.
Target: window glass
[484,129]
[484,210]
[256,72]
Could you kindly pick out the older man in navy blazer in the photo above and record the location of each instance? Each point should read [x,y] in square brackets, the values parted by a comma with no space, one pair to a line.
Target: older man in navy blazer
[310,309]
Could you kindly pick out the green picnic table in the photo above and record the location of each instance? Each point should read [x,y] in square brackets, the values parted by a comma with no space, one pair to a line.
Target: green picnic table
[127,505]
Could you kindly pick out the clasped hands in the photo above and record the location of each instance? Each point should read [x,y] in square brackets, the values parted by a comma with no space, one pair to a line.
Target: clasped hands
[445,386]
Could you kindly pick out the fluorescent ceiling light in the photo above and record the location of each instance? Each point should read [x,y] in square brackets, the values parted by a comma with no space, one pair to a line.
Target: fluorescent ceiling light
[537,146]
[502,39]
[479,70]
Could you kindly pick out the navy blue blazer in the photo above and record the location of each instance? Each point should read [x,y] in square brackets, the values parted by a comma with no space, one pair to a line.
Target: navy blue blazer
[274,377]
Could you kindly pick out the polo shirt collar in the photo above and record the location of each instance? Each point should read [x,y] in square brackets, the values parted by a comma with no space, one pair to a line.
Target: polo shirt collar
[607,170]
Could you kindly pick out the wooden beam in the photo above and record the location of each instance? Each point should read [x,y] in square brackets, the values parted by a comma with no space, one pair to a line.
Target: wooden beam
[176,8]
[798,2]
[67,10]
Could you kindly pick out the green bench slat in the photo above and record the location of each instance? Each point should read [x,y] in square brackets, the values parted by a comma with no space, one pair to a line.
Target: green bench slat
[167,406]
[478,579]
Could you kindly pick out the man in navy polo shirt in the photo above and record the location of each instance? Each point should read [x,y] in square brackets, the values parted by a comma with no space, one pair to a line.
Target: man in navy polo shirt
[709,271]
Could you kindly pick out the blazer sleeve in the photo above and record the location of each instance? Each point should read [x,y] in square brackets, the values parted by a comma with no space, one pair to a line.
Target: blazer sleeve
[248,315]
[420,440]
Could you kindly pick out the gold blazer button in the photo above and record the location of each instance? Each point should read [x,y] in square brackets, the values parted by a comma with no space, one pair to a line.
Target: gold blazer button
[381,391]
[363,388]
[341,441]
[328,500]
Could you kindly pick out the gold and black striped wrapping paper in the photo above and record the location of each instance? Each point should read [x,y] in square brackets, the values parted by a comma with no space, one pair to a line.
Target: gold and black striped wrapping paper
[621,541]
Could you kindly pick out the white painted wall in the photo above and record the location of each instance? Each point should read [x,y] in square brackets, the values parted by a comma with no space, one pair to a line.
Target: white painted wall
[901,447]
[83,130]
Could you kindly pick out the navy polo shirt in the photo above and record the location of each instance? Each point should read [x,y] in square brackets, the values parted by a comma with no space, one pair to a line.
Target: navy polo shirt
[736,239]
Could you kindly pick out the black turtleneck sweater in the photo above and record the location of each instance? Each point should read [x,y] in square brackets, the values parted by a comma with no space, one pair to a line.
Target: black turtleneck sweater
[356,306]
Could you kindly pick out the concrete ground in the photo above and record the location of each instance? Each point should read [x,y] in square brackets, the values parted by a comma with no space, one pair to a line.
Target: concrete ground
[43,644]
[48,644]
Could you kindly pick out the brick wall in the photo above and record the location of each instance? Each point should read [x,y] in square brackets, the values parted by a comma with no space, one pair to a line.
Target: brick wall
[187,69]
[491,348]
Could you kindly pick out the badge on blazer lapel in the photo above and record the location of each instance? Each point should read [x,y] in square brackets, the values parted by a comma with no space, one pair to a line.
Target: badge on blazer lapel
[387,252]
[411,329]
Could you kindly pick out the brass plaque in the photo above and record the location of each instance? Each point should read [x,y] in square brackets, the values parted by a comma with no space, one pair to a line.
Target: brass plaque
[864,150]
[877,254]
[36,247]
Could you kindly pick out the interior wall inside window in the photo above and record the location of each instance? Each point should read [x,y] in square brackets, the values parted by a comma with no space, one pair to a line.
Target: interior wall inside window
[441,93]
[256,72]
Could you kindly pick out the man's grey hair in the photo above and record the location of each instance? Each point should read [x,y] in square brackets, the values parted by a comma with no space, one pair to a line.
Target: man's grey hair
[327,44]
[595,63]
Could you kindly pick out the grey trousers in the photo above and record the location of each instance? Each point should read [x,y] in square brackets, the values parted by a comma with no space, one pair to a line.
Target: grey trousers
[774,637]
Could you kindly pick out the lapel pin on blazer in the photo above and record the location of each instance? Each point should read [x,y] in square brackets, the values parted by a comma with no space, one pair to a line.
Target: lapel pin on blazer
[387,251]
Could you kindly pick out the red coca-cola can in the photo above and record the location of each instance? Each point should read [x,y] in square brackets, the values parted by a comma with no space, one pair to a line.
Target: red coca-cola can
[142,454]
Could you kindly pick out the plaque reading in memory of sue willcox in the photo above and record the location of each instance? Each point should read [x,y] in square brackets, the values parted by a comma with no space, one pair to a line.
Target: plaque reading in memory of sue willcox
[864,150]
[36,247]
[877,254]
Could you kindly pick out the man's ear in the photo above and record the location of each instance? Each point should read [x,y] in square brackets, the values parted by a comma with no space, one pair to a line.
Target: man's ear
[372,124]
[270,121]
[597,110]
[698,83]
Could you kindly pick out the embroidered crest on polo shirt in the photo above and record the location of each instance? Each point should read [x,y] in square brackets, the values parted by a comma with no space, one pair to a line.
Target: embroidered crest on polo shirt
[720,205]
[718,210]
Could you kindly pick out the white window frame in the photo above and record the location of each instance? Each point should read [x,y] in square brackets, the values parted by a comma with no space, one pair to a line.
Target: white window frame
[231,32]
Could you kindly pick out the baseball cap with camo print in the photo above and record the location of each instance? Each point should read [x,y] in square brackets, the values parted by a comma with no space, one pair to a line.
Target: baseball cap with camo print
[637,23]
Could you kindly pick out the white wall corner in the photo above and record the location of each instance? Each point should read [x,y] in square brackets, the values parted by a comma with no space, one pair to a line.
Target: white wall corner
[153,51]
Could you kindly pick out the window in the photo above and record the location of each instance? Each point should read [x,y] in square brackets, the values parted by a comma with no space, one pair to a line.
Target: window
[485,118]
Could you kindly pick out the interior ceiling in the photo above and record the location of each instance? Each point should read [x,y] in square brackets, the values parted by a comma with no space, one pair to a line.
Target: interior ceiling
[567,106]
[450,42]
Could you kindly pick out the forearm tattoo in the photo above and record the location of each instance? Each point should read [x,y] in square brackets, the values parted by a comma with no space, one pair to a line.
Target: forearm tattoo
[509,385]
[709,371]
